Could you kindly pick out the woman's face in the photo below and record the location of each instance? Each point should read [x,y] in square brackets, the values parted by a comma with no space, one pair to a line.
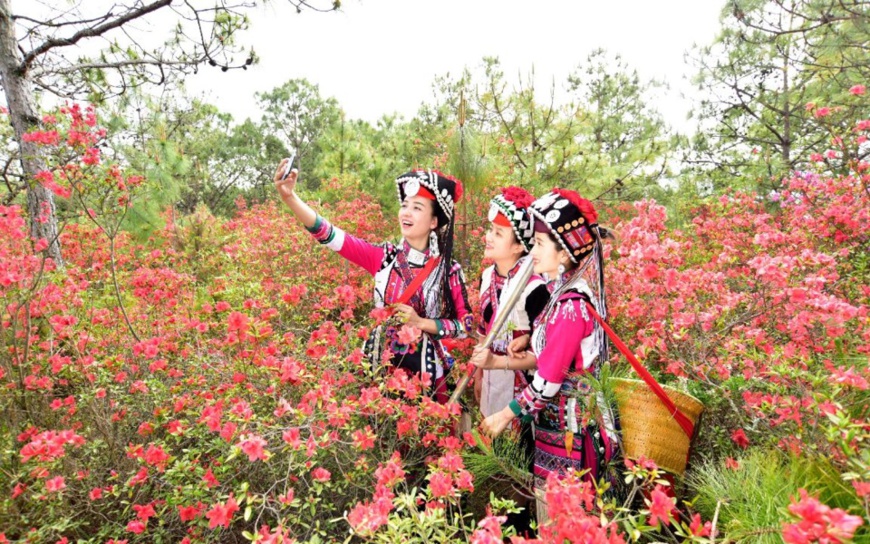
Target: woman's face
[547,255]
[417,217]
[501,244]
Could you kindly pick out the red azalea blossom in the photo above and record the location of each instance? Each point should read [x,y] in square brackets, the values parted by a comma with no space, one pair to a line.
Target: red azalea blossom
[210,479]
[862,488]
[364,439]
[221,514]
[660,506]
[238,322]
[739,438]
[189,513]
[136,526]
[489,530]
[818,523]
[441,485]
[699,529]
[144,511]
[18,490]
[254,447]
[367,517]
[390,473]
[55,484]
[320,474]
[409,335]
[155,456]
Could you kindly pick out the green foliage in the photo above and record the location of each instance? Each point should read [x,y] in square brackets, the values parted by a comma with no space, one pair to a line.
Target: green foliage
[504,459]
[751,501]
[298,116]
[770,61]
[602,139]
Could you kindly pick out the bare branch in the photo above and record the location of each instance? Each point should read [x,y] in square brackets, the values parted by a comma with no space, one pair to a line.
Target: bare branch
[52,24]
[91,32]
[118,65]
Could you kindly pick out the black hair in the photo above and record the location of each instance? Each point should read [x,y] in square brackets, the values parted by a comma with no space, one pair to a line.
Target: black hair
[445,248]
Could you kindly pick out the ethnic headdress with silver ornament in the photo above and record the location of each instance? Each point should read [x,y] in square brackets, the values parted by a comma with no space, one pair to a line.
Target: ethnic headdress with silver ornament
[570,218]
[444,190]
[510,208]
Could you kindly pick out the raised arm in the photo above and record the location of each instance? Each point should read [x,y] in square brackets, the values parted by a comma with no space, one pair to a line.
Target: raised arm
[355,250]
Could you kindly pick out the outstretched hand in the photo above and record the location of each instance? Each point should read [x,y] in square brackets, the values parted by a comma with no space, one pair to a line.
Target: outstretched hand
[495,424]
[285,186]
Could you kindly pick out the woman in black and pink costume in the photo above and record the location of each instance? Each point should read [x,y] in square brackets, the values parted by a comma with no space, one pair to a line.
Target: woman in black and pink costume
[439,308]
[574,429]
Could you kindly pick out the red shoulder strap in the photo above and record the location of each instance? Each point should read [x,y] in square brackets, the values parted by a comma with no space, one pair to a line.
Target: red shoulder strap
[415,284]
[681,418]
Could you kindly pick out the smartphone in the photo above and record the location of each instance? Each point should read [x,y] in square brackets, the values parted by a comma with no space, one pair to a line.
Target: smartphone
[289,166]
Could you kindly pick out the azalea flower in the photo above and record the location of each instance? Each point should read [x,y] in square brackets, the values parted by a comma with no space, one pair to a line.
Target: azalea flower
[660,506]
[221,514]
[320,474]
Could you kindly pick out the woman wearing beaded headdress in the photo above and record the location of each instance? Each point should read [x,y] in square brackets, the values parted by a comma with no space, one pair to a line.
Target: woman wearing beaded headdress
[501,368]
[573,430]
[439,306]
[508,241]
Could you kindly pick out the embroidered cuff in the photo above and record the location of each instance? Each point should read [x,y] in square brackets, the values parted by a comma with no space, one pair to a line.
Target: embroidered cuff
[326,234]
[518,411]
[318,222]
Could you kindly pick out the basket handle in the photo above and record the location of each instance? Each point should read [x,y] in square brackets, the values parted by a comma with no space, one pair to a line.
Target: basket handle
[682,419]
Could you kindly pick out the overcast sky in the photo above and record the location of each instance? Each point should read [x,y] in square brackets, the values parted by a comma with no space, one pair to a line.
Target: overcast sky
[381,56]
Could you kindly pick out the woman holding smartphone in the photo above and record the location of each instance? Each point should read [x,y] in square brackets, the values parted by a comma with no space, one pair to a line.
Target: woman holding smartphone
[417,276]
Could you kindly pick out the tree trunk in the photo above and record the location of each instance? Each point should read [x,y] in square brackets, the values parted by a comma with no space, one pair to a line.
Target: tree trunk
[22,116]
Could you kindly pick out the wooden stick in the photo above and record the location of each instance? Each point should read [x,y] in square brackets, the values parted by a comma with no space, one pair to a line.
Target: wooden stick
[522,278]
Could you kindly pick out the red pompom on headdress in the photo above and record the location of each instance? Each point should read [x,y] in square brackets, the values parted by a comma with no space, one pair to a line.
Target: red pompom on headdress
[585,206]
[519,196]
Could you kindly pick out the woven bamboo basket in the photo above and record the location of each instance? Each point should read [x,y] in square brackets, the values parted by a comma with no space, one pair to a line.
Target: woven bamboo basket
[649,429]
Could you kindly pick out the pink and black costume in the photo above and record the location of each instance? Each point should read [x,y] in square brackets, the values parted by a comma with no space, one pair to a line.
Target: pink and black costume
[574,429]
[442,296]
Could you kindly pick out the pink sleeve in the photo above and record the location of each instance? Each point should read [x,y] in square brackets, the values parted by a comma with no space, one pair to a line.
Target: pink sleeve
[362,253]
[460,299]
[355,250]
[563,341]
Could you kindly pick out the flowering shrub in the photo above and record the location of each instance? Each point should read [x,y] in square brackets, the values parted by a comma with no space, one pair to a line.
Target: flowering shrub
[815,522]
[208,385]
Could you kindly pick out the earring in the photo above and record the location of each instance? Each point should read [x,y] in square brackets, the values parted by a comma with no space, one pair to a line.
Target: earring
[433,244]
[561,272]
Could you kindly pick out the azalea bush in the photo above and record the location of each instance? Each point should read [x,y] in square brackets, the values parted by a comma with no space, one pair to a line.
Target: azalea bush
[760,307]
[208,384]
